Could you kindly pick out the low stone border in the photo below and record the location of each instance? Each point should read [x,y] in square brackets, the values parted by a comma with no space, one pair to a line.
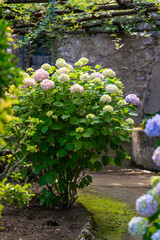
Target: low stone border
[88,230]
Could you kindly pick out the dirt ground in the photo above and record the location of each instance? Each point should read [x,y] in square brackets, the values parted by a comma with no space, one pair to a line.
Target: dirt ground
[41,223]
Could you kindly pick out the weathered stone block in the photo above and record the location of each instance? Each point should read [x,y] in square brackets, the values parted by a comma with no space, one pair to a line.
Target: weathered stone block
[142,149]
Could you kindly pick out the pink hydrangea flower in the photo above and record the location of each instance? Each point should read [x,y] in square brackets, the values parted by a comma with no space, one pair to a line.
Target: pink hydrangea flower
[76,88]
[46,84]
[29,82]
[40,75]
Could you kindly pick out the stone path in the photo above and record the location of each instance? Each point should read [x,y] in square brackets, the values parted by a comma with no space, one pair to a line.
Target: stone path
[126,183]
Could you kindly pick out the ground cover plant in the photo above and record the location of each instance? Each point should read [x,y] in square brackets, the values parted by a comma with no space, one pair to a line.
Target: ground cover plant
[148,205]
[71,115]
[111,216]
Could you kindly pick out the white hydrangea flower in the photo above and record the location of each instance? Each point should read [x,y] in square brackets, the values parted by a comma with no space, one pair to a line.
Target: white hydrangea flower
[96,75]
[61,64]
[122,102]
[63,78]
[98,81]
[130,121]
[60,59]
[85,77]
[83,60]
[62,70]
[70,67]
[108,73]
[46,66]
[108,108]
[106,98]
[24,74]
[110,88]
[78,64]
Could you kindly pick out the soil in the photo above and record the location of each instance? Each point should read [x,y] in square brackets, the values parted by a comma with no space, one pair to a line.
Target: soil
[41,223]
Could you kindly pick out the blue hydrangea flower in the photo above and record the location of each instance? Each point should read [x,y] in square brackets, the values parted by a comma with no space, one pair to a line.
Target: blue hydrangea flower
[156,236]
[132,99]
[146,205]
[152,128]
[137,226]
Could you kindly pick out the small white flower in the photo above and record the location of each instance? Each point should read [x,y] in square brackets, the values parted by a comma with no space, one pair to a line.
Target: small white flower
[85,77]
[110,88]
[106,98]
[62,70]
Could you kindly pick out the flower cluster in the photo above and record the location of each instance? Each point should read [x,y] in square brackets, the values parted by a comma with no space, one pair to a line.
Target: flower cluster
[156,236]
[152,128]
[91,116]
[137,226]
[60,63]
[40,75]
[130,121]
[24,74]
[29,82]
[63,78]
[108,108]
[122,102]
[146,205]
[156,156]
[132,99]
[47,84]
[98,81]
[85,77]
[96,75]
[76,88]
[108,73]
[110,88]
[70,67]
[81,62]
[62,70]
[46,66]
[106,98]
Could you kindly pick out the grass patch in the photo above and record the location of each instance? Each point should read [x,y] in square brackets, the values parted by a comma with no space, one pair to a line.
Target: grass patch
[111,216]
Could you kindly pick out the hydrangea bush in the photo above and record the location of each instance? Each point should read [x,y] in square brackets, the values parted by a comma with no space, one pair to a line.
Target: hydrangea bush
[148,205]
[82,112]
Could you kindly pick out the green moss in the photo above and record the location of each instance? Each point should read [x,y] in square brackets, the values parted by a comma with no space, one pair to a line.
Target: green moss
[111,216]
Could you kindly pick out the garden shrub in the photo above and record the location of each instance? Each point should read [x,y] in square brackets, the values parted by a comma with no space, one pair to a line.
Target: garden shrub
[81,112]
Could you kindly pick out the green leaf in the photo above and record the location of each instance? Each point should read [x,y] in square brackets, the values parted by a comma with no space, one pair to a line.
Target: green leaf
[105,160]
[44,145]
[133,114]
[116,140]
[63,140]
[50,138]
[97,166]
[37,136]
[38,168]
[48,178]
[88,132]
[65,116]
[78,145]
[44,129]
[58,104]
[105,131]
[69,146]
[88,145]
[62,152]
[57,126]
[74,121]
[71,108]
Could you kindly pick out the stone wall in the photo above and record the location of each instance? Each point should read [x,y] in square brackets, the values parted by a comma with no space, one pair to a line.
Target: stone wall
[137,63]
